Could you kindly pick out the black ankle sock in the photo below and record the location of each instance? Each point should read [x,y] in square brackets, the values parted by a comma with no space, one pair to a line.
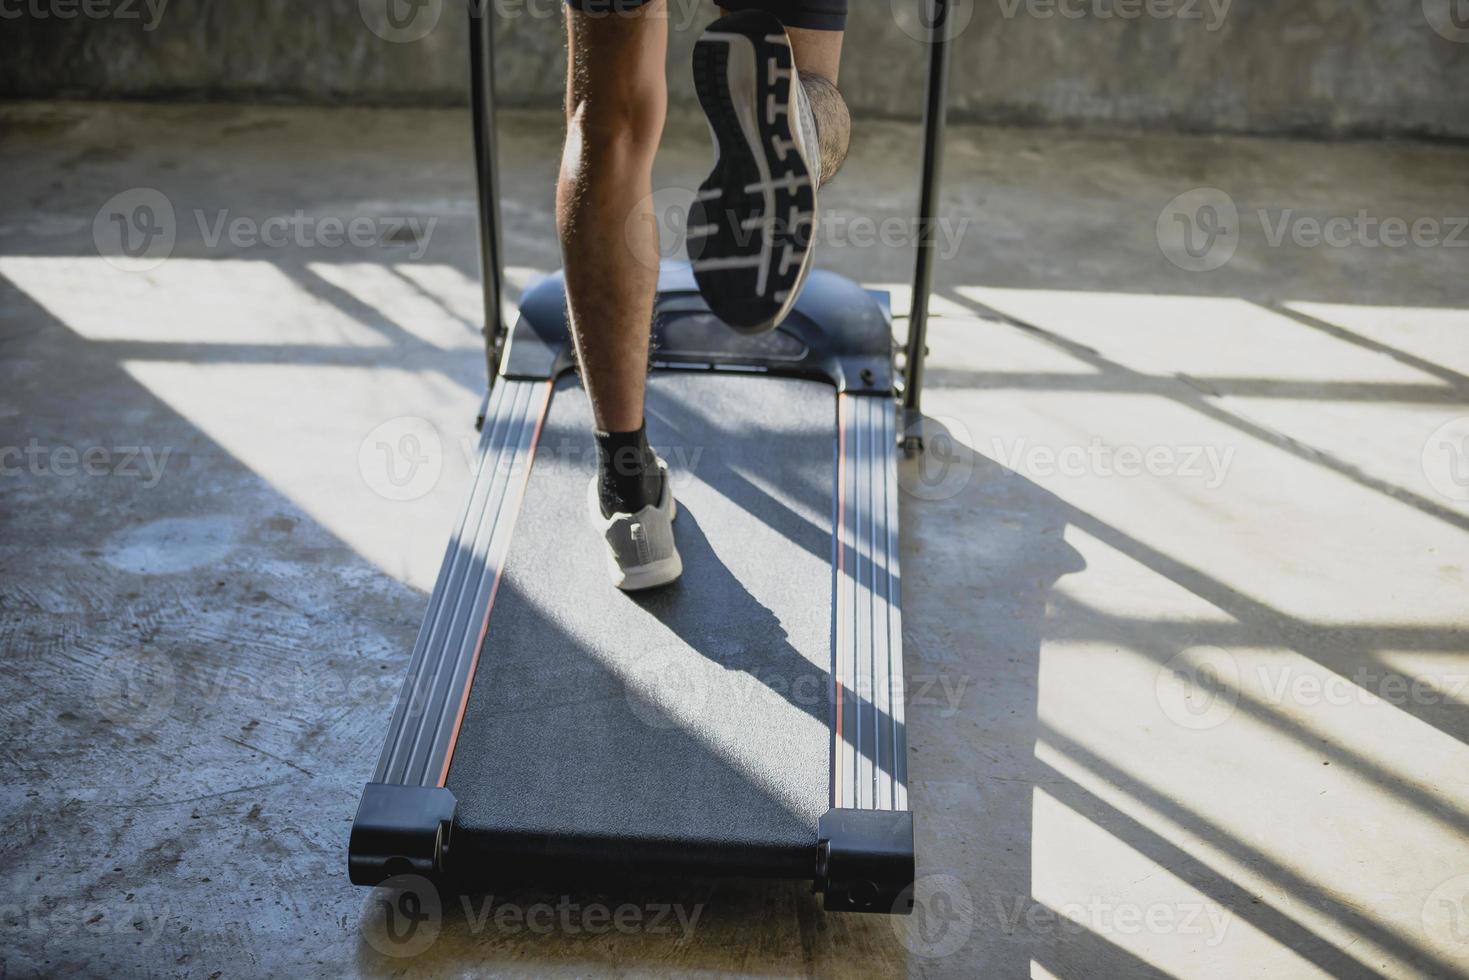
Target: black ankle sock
[628,477]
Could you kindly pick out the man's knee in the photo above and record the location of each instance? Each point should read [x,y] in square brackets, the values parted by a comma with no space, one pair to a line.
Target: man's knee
[624,118]
[619,123]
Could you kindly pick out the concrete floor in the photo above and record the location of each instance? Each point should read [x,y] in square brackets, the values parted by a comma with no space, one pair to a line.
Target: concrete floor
[1186,618]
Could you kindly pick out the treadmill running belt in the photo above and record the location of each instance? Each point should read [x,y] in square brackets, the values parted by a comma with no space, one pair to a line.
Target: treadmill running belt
[682,727]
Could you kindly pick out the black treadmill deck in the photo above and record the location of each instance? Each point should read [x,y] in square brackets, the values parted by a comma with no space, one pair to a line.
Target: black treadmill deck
[684,724]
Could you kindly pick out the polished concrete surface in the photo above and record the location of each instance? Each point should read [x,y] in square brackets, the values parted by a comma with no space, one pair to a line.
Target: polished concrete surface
[1185,568]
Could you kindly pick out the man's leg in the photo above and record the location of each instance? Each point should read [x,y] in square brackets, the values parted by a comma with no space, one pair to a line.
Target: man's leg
[616,100]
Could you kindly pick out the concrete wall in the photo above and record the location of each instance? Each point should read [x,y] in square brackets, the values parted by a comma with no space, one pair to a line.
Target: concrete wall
[1327,67]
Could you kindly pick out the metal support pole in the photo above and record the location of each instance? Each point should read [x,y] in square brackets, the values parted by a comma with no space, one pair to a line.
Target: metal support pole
[487,178]
[934,119]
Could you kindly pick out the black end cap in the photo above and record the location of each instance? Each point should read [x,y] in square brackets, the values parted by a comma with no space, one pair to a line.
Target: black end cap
[866,861]
[400,830]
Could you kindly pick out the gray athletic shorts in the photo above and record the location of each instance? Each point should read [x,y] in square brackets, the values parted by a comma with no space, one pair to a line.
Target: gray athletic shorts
[815,15]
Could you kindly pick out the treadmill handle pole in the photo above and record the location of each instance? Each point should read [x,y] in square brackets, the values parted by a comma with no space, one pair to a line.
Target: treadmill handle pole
[936,13]
[487,177]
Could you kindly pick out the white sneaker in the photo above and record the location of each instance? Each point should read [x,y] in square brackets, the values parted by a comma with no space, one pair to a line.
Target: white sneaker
[640,549]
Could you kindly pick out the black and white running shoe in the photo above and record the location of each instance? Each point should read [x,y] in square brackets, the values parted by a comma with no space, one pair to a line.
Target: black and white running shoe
[752,227]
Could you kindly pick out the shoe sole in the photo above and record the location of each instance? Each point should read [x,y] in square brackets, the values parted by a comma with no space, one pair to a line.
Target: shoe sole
[751,227]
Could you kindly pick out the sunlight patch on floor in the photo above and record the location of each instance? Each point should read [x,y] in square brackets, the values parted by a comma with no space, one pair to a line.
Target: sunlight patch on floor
[186,301]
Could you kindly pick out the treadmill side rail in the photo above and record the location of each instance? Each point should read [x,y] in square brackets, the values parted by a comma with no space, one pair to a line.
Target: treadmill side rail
[869,739]
[425,722]
[400,830]
[866,862]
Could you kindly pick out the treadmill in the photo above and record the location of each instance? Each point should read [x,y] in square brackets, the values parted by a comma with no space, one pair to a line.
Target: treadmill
[746,720]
